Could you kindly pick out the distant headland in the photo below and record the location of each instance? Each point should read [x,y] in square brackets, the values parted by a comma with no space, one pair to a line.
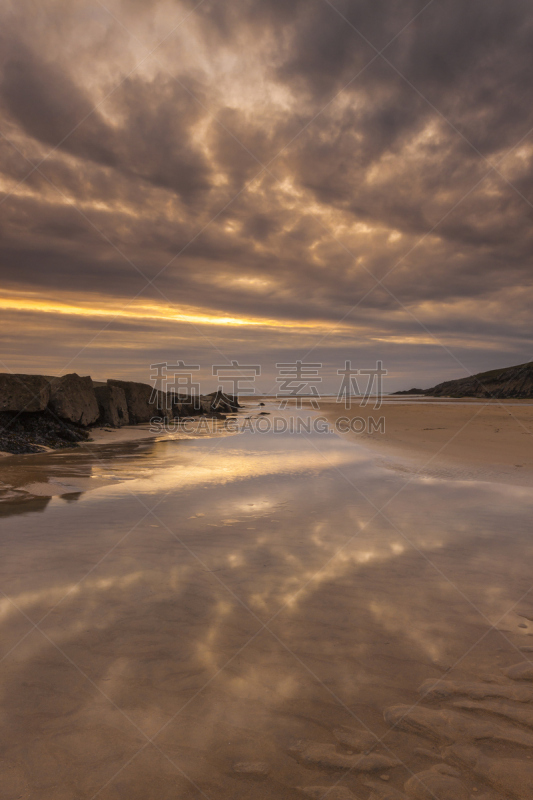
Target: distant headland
[509,382]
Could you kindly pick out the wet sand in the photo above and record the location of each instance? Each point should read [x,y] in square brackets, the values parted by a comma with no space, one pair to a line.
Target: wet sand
[456,439]
[258,615]
[92,464]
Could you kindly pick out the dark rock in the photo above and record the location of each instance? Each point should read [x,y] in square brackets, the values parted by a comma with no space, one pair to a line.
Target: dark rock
[30,432]
[138,396]
[73,399]
[509,382]
[224,402]
[23,392]
[112,405]
[184,405]
[206,405]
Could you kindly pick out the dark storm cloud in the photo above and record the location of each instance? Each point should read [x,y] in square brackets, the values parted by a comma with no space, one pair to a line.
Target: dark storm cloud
[263,162]
[48,106]
[157,116]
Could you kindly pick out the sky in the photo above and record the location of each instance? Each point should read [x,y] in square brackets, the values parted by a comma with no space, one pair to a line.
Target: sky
[265,181]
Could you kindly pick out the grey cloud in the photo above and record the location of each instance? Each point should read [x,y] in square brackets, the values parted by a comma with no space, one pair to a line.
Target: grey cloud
[359,189]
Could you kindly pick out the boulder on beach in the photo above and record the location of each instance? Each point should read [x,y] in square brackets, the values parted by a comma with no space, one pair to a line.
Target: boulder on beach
[72,398]
[206,405]
[138,396]
[23,392]
[112,405]
[184,405]
[223,402]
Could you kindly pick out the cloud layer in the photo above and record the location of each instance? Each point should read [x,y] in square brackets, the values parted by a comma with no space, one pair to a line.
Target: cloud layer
[341,178]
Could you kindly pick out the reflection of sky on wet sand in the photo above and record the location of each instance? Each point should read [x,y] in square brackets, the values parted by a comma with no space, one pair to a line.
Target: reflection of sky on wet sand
[263,600]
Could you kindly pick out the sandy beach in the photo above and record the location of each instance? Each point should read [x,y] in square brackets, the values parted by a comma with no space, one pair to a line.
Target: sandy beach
[448,439]
[232,617]
[456,439]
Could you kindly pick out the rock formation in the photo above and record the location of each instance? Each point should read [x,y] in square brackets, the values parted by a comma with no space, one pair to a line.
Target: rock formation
[73,399]
[112,405]
[41,410]
[138,396]
[23,393]
[498,383]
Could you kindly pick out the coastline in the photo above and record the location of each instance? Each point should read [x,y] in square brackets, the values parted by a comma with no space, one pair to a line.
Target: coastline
[98,436]
[472,441]
[450,439]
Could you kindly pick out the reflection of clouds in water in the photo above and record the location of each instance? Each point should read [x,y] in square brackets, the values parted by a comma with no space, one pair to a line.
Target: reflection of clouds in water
[151,624]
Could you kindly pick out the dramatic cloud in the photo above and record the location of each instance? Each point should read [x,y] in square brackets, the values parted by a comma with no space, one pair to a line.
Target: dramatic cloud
[266,179]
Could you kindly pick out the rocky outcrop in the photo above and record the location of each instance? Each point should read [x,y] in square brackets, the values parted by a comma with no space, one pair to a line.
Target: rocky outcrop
[184,406]
[53,412]
[509,382]
[138,396]
[220,401]
[36,431]
[73,399]
[23,392]
[213,404]
[112,405]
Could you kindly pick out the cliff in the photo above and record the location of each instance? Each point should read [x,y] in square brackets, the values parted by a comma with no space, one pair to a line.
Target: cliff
[509,382]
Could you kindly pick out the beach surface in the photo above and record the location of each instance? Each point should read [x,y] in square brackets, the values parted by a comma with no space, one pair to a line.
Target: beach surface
[459,439]
[262,616]
[445,438]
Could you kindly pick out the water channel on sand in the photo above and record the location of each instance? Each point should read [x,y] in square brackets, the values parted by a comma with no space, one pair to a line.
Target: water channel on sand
[234,617]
